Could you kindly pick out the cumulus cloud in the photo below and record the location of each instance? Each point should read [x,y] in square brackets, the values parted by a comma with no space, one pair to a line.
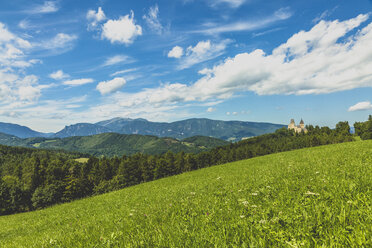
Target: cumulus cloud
[110,86]
[152,20]
[95,18]
[361,106]
[12,49]
[211,109]
[176,52]
[327,58]
[123,31]
[58,75]
[77,82]
[16,87]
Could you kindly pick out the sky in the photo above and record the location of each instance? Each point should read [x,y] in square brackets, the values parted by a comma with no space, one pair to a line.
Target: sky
[64,62]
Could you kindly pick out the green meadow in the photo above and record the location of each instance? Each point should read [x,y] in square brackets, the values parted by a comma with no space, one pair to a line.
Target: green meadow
[314,197]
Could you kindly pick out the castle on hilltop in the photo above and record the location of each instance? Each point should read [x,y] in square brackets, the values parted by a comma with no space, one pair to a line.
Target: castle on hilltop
[298,128]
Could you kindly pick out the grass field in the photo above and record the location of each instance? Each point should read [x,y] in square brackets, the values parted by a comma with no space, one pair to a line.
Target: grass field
[315,197]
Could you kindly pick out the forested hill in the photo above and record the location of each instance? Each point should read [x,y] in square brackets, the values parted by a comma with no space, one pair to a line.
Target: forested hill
[113,144]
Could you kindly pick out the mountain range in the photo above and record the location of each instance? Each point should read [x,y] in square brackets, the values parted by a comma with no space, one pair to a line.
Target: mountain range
[226,130]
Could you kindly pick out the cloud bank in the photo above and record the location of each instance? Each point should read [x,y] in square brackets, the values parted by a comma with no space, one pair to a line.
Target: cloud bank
[332,56]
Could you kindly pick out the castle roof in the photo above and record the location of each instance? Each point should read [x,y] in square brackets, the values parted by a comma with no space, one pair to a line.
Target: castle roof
[301,122]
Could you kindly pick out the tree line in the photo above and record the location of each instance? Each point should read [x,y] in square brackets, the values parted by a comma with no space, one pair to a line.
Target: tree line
[364,129]
[33,179]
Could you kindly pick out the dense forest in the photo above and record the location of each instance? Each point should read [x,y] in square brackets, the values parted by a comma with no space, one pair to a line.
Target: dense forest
[33,179]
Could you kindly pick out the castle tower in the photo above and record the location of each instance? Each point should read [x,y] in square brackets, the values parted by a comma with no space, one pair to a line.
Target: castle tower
[302,124]
[292,124]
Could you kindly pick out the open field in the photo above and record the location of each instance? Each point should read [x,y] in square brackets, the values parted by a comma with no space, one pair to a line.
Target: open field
[305,198]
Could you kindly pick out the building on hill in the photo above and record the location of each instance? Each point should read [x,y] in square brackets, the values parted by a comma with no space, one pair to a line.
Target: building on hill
[298,128]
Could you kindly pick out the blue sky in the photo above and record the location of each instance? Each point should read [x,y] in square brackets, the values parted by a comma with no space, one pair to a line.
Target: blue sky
[64,62]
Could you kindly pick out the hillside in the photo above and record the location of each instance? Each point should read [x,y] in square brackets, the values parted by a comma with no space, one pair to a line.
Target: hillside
[111,144]
[311,197]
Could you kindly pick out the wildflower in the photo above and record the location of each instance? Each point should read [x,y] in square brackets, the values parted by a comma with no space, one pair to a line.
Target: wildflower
[192,193]
[130,214]
[242,216]
[245,203]
[262,221]
[218,178]
[254,193]
[207,214]
[317,172]
[350,202]
[311,193]
[254,206]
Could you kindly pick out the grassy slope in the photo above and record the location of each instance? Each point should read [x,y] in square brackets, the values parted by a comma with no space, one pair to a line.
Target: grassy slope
[310,197]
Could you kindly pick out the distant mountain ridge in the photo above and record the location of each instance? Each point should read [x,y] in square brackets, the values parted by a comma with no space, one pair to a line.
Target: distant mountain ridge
[226,130]
[20,131]
[81,129]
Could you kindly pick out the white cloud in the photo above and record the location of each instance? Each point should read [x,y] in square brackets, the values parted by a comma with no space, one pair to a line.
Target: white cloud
[61,40]
[77,82]
[176,52]
[16,87]
[58,75]
[324,15]
[24,24]
[60,43]
[203,51]
[123,72]
[12,49]
[152,20]
[211,109]
[319,61]
[250,25]
[113,85]
[361,106]
[231,3]
[124,30]
[28,93]
[117,59]
[47,7]
[95,17]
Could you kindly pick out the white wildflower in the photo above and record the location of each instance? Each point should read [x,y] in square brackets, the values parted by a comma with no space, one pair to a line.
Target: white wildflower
[311,193]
